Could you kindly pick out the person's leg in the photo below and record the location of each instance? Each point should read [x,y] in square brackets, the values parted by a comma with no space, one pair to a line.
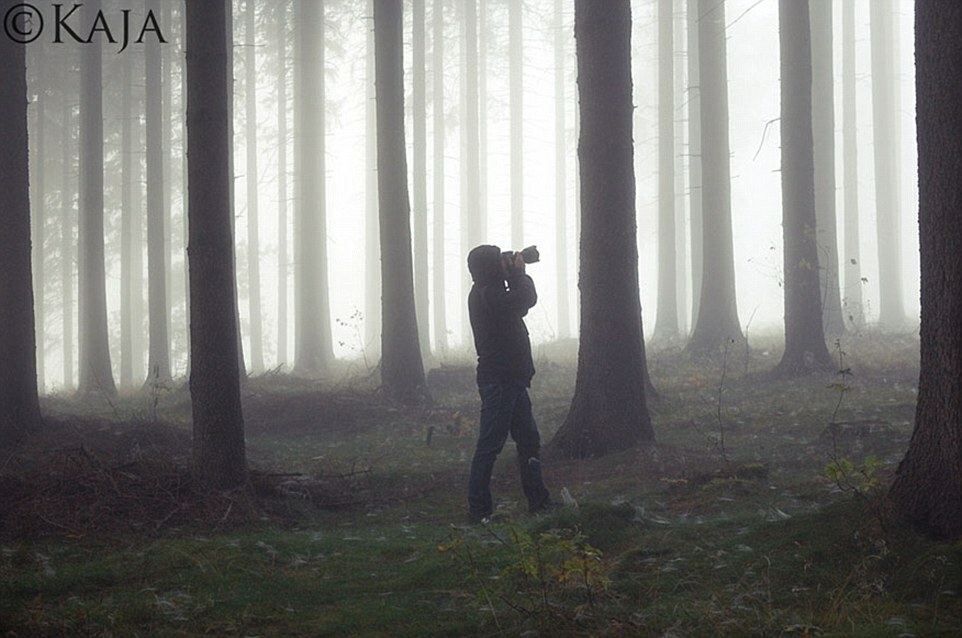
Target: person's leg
[496,408]
[524,431]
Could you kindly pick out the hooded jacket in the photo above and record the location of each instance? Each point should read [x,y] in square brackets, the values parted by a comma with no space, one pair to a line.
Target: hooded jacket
[497,306]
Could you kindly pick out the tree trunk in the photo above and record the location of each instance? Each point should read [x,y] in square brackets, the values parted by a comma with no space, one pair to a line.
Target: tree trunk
[682,294]
[884,121]
[609,410]
[372,250]
[253,239]
[19,400]
[823,132]
[218,455]
[420,181]
[561,173]
[440,307]
[313,348]
[473,219]
[717,323]
[39,212]
[927,490]
[158,356]
[402,371]
[805,349]
[96,376]
[852,297]
[666,320]
[127,328]
[282,177]
[695,160]
[67,225]
[516,100]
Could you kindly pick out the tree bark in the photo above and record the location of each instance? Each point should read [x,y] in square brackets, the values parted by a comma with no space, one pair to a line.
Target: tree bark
[19,397]
[852,296]
[402,371]
[218,453]
[927,491]
[609,410]
[717,323]
[805,349]
[96,376]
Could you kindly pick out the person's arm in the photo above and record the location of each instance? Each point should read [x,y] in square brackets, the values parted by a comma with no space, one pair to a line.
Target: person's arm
[520,295]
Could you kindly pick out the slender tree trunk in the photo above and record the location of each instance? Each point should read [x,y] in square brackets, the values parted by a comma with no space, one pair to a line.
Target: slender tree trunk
[420,181]
[852,298]
[372,249]
[440,320]
[666,321]
[127,327]
[561,173]
[515,72]
[609,410]
[96,376]
[219,458]
[19,398]
[681,219]
[67,238]
[39,212]
[927,490]
[805,349]
[253,239]
[158,358]
[483,120]
[717,323]
[823,131]
[891,305]
[695,161]
[164,10]
[282,177]
[473,217]
[402,371]
[313,348]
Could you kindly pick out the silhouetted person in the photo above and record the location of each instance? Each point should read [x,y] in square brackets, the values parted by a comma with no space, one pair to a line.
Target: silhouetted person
[499,299]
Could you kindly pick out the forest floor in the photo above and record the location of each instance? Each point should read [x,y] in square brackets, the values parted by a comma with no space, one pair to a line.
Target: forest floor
[758,512]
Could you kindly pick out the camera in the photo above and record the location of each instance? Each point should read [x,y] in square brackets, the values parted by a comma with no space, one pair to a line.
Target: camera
[529,255]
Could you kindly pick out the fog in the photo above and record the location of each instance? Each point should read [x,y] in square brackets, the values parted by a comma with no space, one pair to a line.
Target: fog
[753,91]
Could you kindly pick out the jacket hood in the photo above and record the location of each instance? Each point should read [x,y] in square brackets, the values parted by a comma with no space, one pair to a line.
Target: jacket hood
[484,263]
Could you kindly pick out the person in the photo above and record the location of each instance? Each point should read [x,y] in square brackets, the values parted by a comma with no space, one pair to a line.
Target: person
[501,296]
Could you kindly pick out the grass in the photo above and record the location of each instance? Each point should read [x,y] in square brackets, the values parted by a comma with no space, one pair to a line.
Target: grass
[728,526]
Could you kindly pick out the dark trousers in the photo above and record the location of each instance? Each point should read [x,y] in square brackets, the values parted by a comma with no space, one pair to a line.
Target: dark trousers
[506,409]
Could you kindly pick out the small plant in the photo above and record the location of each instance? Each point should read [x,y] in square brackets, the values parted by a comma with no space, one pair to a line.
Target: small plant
[551,577]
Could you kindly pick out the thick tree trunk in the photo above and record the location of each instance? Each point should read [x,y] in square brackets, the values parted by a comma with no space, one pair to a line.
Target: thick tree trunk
[884,121]
[717,322]
[440,307]
[96,376]
[420,180]
[805,349]
[609,410]
[19,401]
[218,455]
[852,294]
[312,342]
[927,490]
[516,100]
[823,132]
[402,371]
[561,174]
[253,233]
[666,320]
[158,356]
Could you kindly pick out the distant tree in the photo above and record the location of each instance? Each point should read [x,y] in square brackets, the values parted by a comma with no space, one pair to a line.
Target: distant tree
[372,250]
[823,131]
[19,400]
[805,349]
[282,178]
[39,206]
[127,328]
[561,172]
[666,320]
[68,221]
[516,100]
[158,356]
[219,458]
[253,233]
[694,157]
[927,490]
[717,322]
[96,376]
[402,371]
[609,410]
[852,296]
[312,339]
[440,320]
[420,176]
[884,123]
[474,221]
